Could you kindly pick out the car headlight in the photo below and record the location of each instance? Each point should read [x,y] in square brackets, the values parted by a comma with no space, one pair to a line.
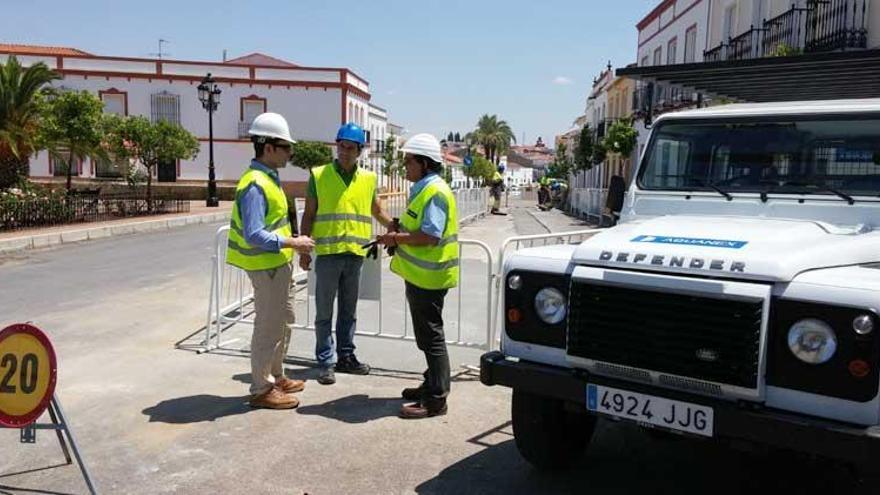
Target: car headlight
[812,341]
[550,305]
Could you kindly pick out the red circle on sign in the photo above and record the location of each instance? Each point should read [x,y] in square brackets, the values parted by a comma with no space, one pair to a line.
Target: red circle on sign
[19,421]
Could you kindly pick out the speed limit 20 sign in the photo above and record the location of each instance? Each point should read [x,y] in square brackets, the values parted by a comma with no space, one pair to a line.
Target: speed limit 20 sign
[27,374]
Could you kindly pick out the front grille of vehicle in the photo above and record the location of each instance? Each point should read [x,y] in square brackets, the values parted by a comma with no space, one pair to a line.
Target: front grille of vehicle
[703,338]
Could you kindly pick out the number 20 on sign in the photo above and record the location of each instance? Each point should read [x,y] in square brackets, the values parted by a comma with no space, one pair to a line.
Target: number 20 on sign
[27,374]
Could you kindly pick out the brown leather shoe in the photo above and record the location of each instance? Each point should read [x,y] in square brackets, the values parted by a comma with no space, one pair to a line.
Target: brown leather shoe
[421,410]
[274,399]
[289,386]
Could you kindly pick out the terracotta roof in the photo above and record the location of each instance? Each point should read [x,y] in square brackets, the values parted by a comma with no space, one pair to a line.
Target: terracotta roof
[260,59]
[40,50]
[450,158]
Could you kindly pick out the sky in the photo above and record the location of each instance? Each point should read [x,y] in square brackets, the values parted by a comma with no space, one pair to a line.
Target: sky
[436,66]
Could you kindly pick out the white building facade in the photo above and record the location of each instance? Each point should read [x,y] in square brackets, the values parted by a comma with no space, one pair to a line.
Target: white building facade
[377,132]
[674,32]
[315,102]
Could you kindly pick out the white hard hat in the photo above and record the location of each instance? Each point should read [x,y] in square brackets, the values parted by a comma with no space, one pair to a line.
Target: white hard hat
[271,125]
[424,144]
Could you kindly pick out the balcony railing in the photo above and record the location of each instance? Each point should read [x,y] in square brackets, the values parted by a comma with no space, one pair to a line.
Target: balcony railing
[663,98]
[820,26]
[837,24]
[787,31]
[715,54]
[745,46]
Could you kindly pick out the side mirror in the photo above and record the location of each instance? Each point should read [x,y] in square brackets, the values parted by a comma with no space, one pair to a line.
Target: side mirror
[614,201]
[616,191]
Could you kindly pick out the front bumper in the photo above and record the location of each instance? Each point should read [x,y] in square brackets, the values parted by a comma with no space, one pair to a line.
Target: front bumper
[733,420]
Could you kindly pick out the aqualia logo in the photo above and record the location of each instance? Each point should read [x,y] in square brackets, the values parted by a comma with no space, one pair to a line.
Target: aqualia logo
[690,241]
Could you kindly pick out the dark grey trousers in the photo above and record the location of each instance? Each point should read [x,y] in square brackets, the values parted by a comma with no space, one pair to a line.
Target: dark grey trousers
[426,309]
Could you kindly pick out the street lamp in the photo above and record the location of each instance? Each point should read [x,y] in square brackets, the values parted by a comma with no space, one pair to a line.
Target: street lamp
[209,94]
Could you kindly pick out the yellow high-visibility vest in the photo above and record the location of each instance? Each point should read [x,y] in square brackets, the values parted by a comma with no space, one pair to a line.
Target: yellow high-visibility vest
[429,267]
[344,219]
[241,254]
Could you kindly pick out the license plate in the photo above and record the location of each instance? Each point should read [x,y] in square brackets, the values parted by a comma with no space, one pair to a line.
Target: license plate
[658,411]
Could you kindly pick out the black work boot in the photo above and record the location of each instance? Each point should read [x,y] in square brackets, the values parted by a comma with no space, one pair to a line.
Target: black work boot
[350,364]
[414,393]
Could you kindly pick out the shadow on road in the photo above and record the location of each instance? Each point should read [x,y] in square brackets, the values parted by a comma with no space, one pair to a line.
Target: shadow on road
[638,464]
[196,409]
[358,408]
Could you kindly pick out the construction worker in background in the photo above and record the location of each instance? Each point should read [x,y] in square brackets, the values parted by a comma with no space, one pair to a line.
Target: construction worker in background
[261,243]
[341,201]
[426,257]
[497,187]
[543,190]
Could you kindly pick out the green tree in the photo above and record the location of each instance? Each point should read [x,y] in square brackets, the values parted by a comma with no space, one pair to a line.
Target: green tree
[450,138]
[481,169]
[393,158]
[447,174]
[493,135]
[621,138]
[599,152]
[20,107]
[457,137]
[583,152]
[150,143]
[72,128]
[308,154]
[562,164]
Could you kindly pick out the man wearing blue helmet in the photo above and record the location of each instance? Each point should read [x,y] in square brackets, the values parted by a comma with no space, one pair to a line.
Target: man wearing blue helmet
[341,202]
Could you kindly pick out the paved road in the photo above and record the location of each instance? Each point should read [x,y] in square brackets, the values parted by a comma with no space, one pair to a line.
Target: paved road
[153,419]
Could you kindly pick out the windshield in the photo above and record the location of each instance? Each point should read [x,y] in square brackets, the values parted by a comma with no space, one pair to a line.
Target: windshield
[819,154]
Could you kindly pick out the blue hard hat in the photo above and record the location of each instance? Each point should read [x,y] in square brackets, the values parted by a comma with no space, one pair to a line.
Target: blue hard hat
[352,132]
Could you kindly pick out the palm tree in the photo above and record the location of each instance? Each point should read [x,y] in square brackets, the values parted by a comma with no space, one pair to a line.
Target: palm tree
[19,116]
[493,135]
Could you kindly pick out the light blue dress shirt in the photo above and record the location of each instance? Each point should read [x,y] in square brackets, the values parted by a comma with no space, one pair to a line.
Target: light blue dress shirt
[253,207]
[436,211]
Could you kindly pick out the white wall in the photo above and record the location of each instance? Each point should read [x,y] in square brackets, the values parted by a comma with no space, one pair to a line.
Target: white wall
[312,113]
[301,95]
[669,26]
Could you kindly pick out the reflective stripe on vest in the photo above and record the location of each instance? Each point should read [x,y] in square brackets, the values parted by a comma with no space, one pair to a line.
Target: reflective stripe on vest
[429,267]
[241,254]
[343,222]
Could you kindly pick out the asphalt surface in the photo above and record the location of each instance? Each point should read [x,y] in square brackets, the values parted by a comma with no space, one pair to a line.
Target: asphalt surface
[152,418]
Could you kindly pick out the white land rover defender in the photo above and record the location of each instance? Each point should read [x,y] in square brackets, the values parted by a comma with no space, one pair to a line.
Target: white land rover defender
[736,298]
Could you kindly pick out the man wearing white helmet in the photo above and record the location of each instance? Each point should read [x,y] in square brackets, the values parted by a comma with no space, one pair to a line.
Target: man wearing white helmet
[261,242]
[426,257]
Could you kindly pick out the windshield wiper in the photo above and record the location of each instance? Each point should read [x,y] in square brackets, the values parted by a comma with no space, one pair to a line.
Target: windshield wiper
[821,187]
[711,185]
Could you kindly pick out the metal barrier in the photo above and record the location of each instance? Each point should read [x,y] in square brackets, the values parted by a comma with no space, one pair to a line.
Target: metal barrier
[471,203]
[587,203]
[231,300]
[520,241]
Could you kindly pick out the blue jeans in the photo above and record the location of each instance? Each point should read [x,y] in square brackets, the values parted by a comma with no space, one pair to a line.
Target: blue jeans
[336,273]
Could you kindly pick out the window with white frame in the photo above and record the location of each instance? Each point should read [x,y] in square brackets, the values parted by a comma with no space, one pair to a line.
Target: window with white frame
[690,45]
[727,29]
[658,55]
[671,49]
[165,106]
